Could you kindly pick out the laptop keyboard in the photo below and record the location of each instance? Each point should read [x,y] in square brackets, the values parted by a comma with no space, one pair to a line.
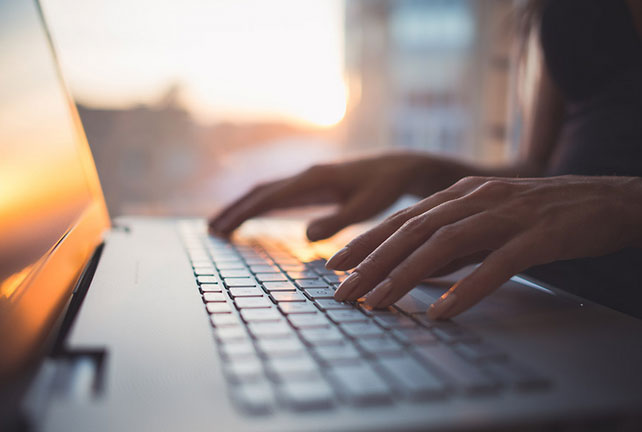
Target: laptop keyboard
[287,344]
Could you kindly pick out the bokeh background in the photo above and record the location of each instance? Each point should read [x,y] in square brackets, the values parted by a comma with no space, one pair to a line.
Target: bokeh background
[187,103]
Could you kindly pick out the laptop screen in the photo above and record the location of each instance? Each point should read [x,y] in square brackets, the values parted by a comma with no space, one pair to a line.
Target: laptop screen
[48,185]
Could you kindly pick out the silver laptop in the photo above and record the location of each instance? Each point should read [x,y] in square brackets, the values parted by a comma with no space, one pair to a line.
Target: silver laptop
[149,324]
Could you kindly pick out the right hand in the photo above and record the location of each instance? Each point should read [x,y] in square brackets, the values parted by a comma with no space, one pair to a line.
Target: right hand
[362,188]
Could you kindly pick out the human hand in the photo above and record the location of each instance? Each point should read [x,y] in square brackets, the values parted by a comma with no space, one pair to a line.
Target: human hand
[362,188]
[507,224]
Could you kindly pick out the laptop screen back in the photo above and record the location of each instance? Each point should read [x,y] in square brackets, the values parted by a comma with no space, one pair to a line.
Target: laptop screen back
[51,208]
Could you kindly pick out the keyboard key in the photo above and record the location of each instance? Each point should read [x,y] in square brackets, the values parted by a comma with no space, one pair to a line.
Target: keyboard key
[254,398]
[217,308]
[337,353]
[264,269]
[293,368]
[359,384]
[297,275]
[295,266]
[297,308]
[415,336]
[412,379]
[411,305]
[214,297]
[312,283]
[344,316]
[230,265]
[237,349]
[288,296]
[334,278]
[246,292]
[362,330]
[308,320]
[378,346]
[235,273]
[215,287]
[280,347]
[452,334]
[258,315]
[423,320]
[231,333]
[322,336]
[224,320]
[394,321]
[330,304]
[201,263]
[460,372]
[279,286]
[319,293]
[204,271]
[307,395]
[271,277]
[252,302]
[270,329]
[240,282]
[206,279]
[247,370]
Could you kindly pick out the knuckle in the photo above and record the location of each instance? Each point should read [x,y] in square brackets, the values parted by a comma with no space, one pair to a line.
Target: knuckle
[470,181]
[317,170]
[447,233]
[398,217]
[494,187]
[412,226]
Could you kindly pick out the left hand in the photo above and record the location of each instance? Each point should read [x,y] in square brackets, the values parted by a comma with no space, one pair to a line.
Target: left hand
[507,224]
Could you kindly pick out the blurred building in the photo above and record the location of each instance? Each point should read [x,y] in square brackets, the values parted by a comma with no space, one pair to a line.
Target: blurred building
[429,74]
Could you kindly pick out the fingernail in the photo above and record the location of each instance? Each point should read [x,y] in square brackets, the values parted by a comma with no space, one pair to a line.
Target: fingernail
[337,259]
[441,306]
[346,288]
[379,292]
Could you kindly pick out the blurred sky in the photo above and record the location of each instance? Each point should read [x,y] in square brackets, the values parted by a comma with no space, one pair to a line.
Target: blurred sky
[236,60]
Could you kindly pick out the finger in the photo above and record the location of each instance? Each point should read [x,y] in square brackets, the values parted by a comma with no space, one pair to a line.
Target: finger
[457,264]
[361,246]
[463,238]
[359,207]
[262,199]
[496,269]
[402,243]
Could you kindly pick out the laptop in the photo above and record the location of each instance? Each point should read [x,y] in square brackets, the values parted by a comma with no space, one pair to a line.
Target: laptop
[151,324]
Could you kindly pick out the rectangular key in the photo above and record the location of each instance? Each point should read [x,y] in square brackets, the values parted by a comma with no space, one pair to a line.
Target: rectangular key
[331,304]
[379,346]
[463,374]
[287,296]
[301,321]
[452,334]
[204,271]
[415,336]
[412,379]
[231,333]
[254,398]
[271,277]
[252,302]
[214,297]
[217,308]
[201,263]
[235,273]
[248,370]
[276,329]
[297,308]
[480,352]
[280,347]
[246,292]
[298,275]
[360,385]
[362,329]
[411,305]
[307,395]
[319,293]
[239,282]
[224,320]
[207,279]
[264,269]
[312,283]
[293,368]
[237,350]
[279,286]
[215,287]
[231,265]
[257,315]
[334,278]
[345,316]
[394,321]
[322,336]
[295,266]
[332,354]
